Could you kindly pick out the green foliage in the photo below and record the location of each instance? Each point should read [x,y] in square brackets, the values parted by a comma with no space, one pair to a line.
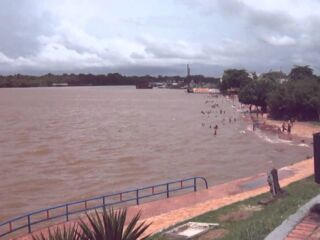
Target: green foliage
[301,73]
[19,80]
[248,94]
[110,226]
[256,92]
[296,99]
[66,233]
[234,78]
[276,76]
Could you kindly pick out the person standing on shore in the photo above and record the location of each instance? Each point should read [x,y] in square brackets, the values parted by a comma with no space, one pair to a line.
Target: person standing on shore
[253,126]
[289,127]
[215,130]
[283,126]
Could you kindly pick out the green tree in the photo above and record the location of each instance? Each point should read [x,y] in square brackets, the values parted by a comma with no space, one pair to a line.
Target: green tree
[256,92]
[296,99]
[301,73]
[276,76]
[234,78]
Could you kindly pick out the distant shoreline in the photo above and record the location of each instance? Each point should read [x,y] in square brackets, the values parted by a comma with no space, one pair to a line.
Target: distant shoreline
[110,79]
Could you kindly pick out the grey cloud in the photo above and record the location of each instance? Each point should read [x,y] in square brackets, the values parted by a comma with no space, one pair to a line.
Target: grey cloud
[264,40]
[136,55]
[171,51]
[268,39]
[20,26]
[255,19]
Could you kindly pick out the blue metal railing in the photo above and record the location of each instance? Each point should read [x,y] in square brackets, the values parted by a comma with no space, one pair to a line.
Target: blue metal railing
[66,210]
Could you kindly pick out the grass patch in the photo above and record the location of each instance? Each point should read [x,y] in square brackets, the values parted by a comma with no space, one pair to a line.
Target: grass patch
[261,221]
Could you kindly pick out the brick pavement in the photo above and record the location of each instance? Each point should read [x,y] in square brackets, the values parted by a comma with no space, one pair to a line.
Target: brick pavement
[307,229]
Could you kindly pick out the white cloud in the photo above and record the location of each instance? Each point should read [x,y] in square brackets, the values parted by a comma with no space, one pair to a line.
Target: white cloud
[74,34]
[4,59]
[280,40]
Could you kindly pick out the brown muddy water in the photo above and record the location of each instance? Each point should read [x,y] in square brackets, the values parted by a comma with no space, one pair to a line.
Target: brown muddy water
[63,144]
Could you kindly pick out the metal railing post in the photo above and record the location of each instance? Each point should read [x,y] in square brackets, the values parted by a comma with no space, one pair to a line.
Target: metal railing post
[137,195]
[195,184]
[67,212]
[29,224]
[104,201]
[167,190]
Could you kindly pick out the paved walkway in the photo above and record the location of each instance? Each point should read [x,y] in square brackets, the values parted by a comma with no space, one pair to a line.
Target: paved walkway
[307,229]
[302,225]
[167,212]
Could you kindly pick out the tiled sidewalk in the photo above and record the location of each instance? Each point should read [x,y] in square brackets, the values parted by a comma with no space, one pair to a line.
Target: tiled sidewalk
[307,229]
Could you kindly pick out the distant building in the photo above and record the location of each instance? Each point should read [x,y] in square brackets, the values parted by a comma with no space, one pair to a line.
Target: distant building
[144,85]
[233,90]
[60,84]
[282,80]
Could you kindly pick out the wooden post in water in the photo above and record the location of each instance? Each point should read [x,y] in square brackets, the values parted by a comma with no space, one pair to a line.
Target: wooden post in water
[273,181]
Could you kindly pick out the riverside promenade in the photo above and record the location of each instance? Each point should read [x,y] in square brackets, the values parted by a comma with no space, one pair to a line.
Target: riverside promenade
[167,212]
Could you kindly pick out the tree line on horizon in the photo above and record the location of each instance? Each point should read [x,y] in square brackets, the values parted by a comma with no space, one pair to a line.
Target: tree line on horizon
[48,80]
[292,96]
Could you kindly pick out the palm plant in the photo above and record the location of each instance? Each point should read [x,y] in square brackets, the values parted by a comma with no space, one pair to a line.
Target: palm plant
[65,233]
[111,226]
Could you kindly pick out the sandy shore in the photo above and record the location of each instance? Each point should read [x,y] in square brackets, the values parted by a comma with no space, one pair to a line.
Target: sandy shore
[301,129]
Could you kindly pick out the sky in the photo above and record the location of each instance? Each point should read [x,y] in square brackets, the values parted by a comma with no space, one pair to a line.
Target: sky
[138,37]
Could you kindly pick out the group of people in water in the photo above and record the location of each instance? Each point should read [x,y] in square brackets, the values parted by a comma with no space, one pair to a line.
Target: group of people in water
[217,110]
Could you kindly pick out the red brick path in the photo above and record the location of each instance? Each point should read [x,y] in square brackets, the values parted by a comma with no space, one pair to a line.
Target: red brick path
[307,229]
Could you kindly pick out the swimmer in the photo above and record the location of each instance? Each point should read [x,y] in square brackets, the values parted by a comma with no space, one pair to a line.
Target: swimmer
[215,130]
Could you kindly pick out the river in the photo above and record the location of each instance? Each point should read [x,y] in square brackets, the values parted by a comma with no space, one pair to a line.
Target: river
[63,144]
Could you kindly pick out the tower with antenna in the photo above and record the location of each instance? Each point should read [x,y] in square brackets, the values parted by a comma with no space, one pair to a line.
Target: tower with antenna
[189,81]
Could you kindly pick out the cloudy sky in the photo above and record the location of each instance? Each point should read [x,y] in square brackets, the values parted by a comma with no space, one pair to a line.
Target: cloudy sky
[157,36]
